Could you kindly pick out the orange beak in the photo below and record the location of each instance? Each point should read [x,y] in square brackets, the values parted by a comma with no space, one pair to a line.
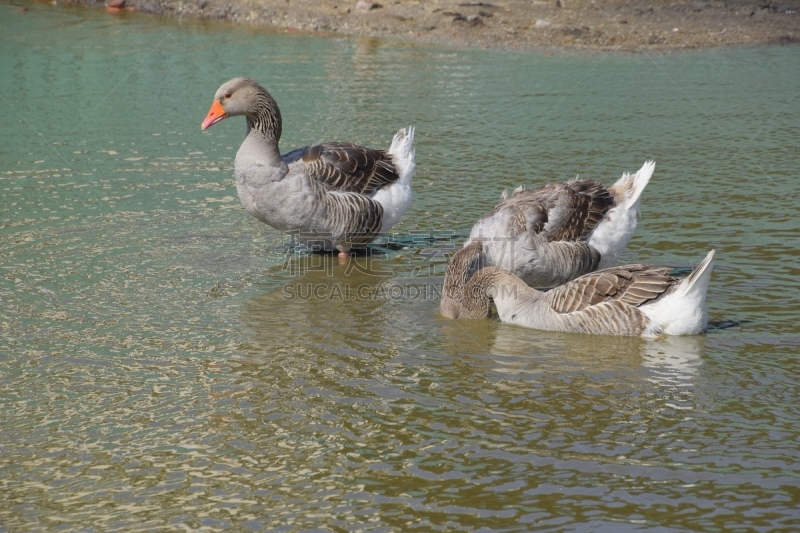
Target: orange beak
[215,114]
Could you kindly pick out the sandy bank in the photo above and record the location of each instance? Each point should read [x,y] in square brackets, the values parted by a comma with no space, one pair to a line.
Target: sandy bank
[636,25]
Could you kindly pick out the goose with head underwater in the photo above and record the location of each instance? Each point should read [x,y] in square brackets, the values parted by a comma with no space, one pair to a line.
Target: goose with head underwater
[554,233]
[635,300]
[332,195]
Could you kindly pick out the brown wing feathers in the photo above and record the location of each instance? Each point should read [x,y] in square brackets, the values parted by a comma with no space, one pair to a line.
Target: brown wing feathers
[349,168]
[559,211]
[631,284]
[577,209]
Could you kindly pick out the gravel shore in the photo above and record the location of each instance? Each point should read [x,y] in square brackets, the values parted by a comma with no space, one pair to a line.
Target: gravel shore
[637,25]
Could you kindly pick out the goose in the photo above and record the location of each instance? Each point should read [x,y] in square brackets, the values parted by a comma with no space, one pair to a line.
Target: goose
[331,195]
[636,300]
[556,232]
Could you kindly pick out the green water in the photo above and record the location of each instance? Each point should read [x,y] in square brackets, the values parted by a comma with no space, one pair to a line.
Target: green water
[166,364]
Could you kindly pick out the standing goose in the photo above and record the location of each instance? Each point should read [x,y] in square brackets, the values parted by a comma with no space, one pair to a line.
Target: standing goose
[635,300]
[554,233]
[334,195]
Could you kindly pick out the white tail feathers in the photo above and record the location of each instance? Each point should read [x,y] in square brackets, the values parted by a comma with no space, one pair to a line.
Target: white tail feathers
[402,152]
[396,198]
[683,311]
[632,185]
[698,280]
[612,234]
[403,144]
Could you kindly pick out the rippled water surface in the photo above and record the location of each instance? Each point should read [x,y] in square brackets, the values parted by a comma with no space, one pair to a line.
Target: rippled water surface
[166,363]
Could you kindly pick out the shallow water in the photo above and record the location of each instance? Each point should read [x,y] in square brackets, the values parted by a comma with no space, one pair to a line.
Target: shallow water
[167,364]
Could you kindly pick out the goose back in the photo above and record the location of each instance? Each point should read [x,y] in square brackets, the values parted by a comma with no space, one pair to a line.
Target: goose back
[533,233]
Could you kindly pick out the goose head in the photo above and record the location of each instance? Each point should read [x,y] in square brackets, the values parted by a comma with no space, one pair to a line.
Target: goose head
[243,96]
[459,300]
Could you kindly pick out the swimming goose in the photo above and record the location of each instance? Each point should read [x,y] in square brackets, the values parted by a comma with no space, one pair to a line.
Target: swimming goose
[332,195]
[554,233]
[624,300]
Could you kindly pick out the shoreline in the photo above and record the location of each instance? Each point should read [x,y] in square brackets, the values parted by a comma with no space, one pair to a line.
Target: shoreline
[612,25]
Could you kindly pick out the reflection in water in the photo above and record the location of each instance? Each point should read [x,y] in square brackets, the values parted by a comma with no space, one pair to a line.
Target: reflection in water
[318,301]
[675,360]
[669,360]
[592,352]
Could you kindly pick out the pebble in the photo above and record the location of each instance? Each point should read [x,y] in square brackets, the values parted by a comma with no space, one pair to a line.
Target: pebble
[366,6]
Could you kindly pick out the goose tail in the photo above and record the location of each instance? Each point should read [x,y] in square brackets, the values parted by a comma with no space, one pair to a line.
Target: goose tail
[396,199]
[613,233]
[402,152]
[697,282]
[683,311]
[631,186]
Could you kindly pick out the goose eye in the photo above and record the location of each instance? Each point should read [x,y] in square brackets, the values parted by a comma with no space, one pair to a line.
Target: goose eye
[228,94]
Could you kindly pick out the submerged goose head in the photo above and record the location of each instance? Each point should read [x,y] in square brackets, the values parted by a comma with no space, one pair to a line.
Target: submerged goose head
[465,295]
[470,286]
[243,96]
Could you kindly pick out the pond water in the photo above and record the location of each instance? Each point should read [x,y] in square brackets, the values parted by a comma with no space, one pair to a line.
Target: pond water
[167,363]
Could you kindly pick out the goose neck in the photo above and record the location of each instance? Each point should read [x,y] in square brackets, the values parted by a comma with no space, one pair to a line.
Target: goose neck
[500,285]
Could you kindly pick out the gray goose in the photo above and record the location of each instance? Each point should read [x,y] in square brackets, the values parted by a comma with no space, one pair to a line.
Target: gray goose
[556,232]
[331,195]
[636,300]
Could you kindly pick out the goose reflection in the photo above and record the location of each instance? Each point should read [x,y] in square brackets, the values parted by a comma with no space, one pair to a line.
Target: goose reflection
[674,359]
[678,352]
[365,305]
[666,361]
